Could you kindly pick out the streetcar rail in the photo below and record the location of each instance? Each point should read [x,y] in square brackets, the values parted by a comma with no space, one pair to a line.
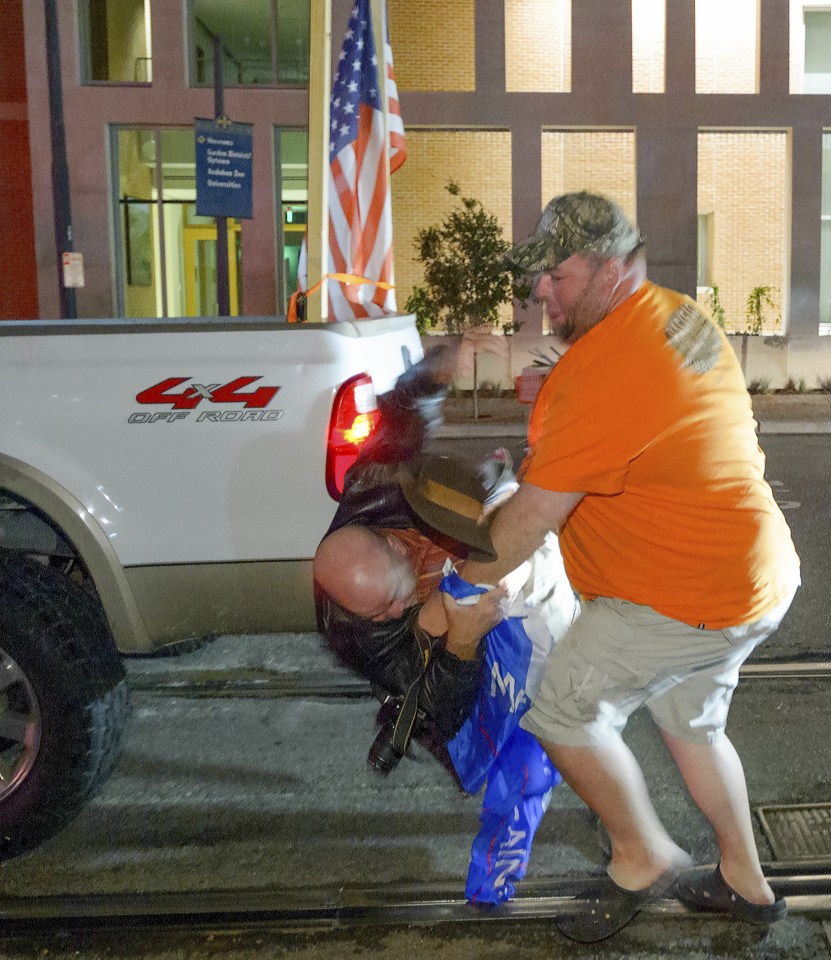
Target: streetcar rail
[340,685]
[808,892]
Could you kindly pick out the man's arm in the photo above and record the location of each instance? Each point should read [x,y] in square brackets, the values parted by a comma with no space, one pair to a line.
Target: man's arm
[519,528]
[412,410]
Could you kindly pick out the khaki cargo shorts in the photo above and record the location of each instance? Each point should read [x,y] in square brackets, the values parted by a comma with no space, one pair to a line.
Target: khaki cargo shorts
[619,656]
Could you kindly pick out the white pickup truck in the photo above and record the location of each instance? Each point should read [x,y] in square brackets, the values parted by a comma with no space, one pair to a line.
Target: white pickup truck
[160,481]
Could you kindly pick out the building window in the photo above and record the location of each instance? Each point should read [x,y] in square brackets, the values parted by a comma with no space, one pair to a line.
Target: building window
[419,197]
[116,41]
[434,44]
[648,46]
[727,46]
[264,42]
[810,42]
[538,46]
[167,254]
[291,150]
[744,185]
[825,239]
[601,161]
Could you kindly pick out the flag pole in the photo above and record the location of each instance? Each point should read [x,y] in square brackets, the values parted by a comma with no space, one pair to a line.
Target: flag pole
[378,9]
[320,83]
[379,31]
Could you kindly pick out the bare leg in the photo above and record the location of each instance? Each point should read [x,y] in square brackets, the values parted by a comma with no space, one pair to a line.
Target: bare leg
[610,781]
[714,776]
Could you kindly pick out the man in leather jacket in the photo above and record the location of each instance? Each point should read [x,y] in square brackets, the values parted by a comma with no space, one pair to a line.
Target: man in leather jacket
[377,528]
[401,516]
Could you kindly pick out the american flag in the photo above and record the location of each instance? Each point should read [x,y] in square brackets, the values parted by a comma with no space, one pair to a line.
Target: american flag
[360,211]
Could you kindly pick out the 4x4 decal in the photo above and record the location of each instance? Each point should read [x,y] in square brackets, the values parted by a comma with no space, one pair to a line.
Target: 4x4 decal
[195,393]
[181,398]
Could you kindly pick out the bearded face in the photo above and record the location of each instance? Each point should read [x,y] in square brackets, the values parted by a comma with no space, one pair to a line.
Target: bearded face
[577,294]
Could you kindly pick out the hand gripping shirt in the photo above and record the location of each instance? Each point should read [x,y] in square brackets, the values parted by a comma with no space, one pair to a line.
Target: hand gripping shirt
[648,414]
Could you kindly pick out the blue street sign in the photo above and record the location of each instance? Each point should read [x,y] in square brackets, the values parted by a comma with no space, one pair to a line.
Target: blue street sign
[223,168]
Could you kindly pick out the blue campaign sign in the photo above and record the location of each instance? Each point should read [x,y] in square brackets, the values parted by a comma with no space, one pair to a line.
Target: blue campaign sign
[223,168]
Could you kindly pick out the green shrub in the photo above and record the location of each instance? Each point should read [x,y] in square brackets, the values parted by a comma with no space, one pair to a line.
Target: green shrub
[716,309]
[759,302]
[761,385]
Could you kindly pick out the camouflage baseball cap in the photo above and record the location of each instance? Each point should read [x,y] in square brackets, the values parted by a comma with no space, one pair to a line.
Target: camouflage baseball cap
[575,223]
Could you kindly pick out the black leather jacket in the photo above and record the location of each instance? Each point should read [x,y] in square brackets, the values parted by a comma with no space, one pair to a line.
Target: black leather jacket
[391,654]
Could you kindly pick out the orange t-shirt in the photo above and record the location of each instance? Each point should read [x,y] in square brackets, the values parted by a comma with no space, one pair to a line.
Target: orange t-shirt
[648,414]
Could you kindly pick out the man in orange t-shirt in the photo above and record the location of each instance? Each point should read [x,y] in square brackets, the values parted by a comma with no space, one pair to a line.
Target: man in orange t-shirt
[644,458]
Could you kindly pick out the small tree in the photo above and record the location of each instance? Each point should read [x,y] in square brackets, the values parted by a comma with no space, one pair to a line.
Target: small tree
[716,309]
[759,301]
[757,308]
[466,276]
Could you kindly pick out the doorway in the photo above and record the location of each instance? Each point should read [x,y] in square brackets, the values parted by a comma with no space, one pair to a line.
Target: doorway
[199,242]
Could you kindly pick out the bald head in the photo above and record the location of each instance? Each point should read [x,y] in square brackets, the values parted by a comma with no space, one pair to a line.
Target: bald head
[366,573]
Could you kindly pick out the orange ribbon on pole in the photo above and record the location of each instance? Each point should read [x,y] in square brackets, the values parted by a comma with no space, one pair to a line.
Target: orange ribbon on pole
[341,278]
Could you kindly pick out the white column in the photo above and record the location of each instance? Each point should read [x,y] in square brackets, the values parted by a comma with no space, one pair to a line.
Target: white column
[320,85]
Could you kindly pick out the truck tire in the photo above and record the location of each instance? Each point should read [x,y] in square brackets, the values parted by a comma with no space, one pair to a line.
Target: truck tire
[63,702]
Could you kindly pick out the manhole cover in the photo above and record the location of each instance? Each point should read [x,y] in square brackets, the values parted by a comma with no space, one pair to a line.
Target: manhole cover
[801,831]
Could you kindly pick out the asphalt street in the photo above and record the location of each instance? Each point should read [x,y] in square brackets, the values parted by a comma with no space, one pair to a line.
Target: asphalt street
[274,794]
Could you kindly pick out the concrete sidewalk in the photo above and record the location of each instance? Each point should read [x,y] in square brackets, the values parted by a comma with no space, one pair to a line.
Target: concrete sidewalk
[787,413]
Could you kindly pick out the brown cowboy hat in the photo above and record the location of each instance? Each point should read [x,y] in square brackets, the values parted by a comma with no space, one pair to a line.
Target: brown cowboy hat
[449,495]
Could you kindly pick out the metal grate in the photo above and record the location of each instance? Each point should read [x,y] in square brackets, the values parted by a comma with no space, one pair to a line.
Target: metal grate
[801,831]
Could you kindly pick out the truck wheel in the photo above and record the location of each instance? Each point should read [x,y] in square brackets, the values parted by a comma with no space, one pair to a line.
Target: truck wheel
[63,702]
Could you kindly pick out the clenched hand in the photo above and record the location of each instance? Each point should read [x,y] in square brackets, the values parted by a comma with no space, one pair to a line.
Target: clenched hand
[468,622]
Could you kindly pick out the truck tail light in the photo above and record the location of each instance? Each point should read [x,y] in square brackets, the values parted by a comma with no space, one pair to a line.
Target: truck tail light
[354,419]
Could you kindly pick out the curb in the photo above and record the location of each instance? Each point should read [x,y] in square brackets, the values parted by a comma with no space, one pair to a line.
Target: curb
[485,430]
[795,426]
[491,429]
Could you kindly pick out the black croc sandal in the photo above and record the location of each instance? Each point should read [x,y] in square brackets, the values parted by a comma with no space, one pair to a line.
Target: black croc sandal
[608,908]
[709,892]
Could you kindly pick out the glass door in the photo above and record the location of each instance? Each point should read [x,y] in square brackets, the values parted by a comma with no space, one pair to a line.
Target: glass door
[199,243]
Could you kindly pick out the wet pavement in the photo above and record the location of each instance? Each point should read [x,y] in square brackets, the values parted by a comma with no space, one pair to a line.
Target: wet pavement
[275,795]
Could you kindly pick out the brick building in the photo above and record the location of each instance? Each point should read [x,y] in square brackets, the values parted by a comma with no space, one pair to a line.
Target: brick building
[18,273]
[708,122]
